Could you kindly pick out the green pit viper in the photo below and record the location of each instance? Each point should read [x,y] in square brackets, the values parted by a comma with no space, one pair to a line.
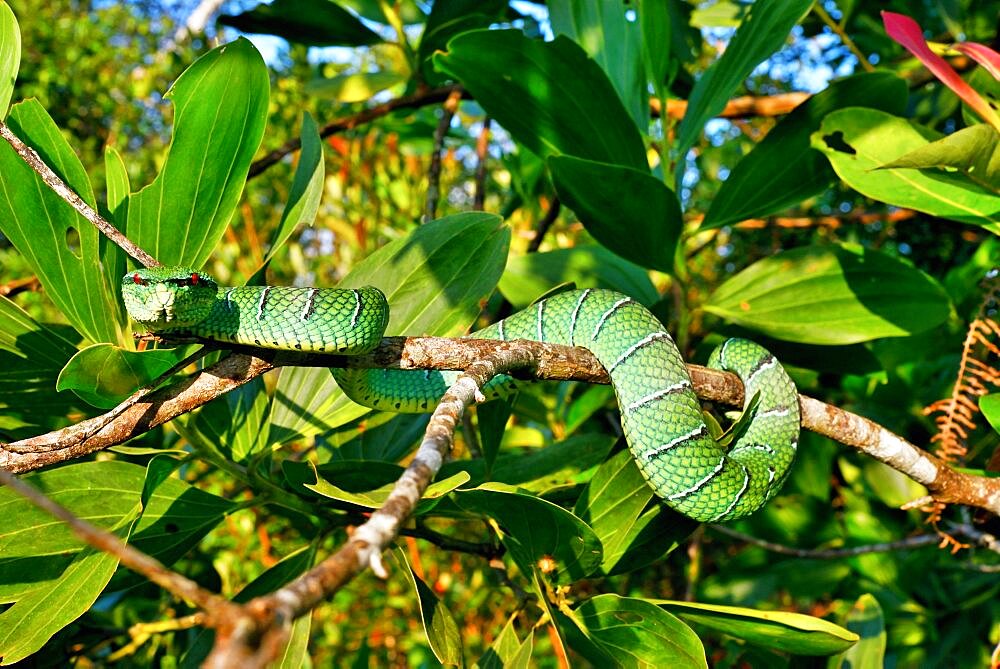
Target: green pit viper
[660,413]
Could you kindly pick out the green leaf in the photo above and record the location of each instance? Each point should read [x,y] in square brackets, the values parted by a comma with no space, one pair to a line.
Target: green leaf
[857,141]
[451,18]
[31,356]
[974,150]
[990,406]
[116,181]
[234,423]
[629,211]
[534,529]
[60,246]
[831,295]
[864,619]
[10,55]
[783,170]
[615,43]
[613,503]
[492,418]
[357,87]
[442,632]
[307,188]
[220,110]
[761,33]
[781,630]
[587,266]
[309,22]
[434,280]
[103,374]
[636,633]
[549,95]
[655,18]
[506,651]
[289,568]
[39,613]
[373,499]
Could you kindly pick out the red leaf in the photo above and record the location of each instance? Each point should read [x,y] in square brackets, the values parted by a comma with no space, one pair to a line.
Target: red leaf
[983,55]
[907,32]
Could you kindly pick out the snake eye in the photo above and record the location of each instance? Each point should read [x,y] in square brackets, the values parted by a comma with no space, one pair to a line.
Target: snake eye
[194,278]
[138,280]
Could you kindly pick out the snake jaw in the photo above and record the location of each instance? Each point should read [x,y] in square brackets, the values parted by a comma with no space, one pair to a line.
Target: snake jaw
[155,297]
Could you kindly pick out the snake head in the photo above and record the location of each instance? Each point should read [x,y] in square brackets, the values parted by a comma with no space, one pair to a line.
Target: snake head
[164,298]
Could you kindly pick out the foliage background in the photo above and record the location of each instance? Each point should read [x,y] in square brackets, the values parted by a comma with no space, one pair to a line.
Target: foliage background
[101,71]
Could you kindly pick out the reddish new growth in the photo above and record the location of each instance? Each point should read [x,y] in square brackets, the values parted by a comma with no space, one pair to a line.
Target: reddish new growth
[957,413]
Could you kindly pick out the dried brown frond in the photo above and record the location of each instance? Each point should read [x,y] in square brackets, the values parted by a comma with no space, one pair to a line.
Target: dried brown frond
[977,374]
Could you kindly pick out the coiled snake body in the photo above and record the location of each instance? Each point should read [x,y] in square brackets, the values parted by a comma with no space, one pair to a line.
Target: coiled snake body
[661,415]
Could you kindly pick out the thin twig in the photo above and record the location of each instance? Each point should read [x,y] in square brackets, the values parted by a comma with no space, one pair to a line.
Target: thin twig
[845,39]
[135,560]
[419,99]
[52,180]
[544,224]
[448,110]
[918,541]
[253,638]
[482,154]
[747,106]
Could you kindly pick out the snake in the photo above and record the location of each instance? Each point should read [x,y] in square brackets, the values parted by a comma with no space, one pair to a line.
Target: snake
[661,416]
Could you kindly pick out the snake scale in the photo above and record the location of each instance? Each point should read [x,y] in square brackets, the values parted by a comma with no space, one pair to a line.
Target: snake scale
[660,413]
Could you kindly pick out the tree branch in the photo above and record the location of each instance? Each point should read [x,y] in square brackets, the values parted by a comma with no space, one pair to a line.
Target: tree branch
[52,180]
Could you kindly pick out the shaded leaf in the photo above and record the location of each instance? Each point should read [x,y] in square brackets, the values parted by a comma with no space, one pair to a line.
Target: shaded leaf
[858,140]
[762,32]
[543,93]
[451,18]
[587,266]
[639,218]
[782,169]
[864,619]
[310,22]
[636,633]
[613,503]
[60,246]
[235,423]
[442,632]
[357,87]
[506,651]
[831,295]
[220,110]
[782,630]
[974,150]
[615,43]
[103,374]
[10,55]
[534,529]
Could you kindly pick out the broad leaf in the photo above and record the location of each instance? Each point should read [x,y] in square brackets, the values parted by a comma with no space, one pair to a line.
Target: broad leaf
[10,55]
[974,150]
[613,503]
[782,630]
[234,423]
[783,170]
[831,295]
[639,218]
[307,188]
[634,632]
[451,18]
[220,110]
[866,620]
[537,532]
[544,94]
[761,33]
[434,280]
[60,246]
[41,612]
[310,22]
[858,140]
[356,87]
[442,632]
[373,499]
[31,356]
[614,42]
[586,266]
[103,374]
[990,406]
[507,651]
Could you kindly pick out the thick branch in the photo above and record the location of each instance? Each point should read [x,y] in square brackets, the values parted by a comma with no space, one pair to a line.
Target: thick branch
[555,362]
